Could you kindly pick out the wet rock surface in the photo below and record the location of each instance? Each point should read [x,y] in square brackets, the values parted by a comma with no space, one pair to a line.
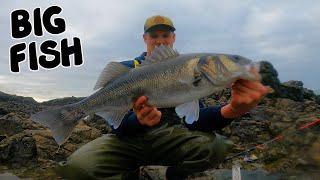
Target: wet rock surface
[27,149]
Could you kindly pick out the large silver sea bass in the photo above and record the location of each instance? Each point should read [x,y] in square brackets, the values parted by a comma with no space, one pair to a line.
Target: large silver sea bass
[167,78]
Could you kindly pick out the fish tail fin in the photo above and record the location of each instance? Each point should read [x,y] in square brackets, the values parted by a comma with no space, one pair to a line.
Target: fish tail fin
[61,121]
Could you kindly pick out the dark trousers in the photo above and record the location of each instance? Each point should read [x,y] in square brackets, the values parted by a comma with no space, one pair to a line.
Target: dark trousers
[112,157]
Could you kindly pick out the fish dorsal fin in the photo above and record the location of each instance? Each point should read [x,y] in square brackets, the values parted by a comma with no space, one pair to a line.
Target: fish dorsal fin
[111,71]
[159,54]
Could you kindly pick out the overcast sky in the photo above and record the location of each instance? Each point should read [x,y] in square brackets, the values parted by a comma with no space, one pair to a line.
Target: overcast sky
[286,33]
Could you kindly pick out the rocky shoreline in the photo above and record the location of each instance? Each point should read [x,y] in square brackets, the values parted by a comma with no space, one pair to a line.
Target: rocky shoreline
[27,149]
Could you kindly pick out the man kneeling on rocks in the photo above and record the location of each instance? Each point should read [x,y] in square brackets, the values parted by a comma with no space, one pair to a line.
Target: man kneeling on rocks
[151,136]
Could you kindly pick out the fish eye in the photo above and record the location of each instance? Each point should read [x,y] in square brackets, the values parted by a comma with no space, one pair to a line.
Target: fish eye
[202,60]
[236,57]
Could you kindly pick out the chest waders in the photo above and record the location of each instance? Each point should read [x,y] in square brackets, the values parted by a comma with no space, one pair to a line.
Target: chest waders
[167,144]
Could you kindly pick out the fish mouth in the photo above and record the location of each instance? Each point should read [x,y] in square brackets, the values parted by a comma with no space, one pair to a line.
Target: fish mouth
[223,70]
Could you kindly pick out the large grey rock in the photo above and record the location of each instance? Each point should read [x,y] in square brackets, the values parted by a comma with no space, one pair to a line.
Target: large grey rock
[14,123]
[4,97]
[292,83]
[270,77]
[8,176]
[317,99]
[19,148]
[291,89]
[10,124]
[295,90]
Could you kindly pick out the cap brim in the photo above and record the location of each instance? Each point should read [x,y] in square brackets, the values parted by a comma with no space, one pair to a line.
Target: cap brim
[161,27]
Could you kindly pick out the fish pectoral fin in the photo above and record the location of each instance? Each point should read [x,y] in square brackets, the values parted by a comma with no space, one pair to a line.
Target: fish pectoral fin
[190,110]
[114,118]
[159,54]
[111,71]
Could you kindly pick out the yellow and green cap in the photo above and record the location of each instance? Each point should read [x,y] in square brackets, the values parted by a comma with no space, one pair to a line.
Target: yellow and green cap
[158,22]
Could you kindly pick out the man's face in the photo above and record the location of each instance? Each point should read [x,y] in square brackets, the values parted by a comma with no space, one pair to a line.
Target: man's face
[157,38]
